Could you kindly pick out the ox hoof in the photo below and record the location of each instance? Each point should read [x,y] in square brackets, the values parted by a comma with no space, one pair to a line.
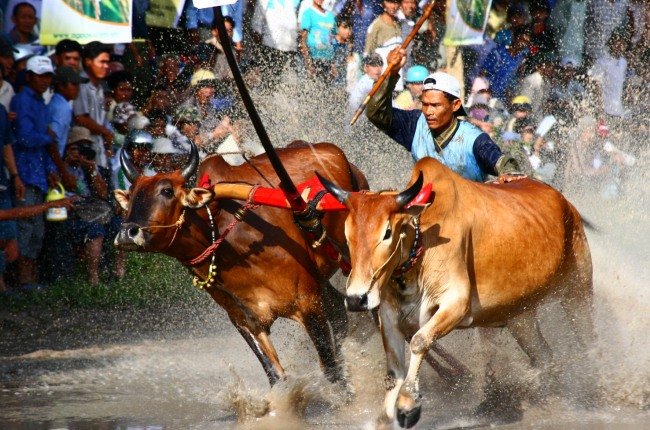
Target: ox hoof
[407,419]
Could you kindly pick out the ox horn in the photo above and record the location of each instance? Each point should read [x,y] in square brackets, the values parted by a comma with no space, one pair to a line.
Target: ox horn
[192,164]
[129,169]
[341,195]
[409,194]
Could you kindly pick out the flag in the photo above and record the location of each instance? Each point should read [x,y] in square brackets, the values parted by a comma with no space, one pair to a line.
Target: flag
[164,13]
[202,4]
[108,21]
[466,21]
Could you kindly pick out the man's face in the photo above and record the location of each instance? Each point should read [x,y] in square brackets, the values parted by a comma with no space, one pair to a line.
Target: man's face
[230,29]
[344,32]
[438,111]
[204,95]
[409,7]
[69,90]
[391,7]
[69,59]
[39,83]
[520,43]
[25,19]
[7,64]
[98,66]
[415,89]
[123,92]
[373,71]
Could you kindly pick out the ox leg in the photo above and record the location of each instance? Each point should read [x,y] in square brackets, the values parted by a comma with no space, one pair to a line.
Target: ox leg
[394,347]
[321,333]
[450,312]
[334,305]
[525,329]
[265,353]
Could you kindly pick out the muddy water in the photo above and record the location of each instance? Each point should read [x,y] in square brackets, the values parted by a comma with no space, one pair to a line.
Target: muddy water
[177,369]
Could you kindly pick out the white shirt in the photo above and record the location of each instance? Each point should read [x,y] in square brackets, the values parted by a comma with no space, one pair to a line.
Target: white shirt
[277,22]
[610,73]
[6,94]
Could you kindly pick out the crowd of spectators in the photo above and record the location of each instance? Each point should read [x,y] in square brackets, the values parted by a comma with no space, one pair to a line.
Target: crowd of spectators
[556,83]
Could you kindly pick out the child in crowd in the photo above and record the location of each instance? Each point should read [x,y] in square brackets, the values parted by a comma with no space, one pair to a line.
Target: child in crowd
[318,28]
[409,99]
[342,47]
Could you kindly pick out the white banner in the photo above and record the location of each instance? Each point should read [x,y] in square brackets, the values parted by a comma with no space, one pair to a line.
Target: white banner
[466,21]
[108,21]
[202,4]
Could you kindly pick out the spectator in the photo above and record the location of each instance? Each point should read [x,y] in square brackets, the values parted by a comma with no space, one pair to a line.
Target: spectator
[542,36]
[120,88]
[275,25]
[6,91]
[372,65]
[23,16]
[385,32]
[317,31]
[87,232]
[342,46]
[515,18]
[89,107]
[409,99]
[35,166]
[521,109]
[138,145]
[59,117]
[478,113]
[68,54]
[67,82]
[215,123]
[609,73]
[537,86]
[188,122]
[8,231]
[221,67]
[503,63]
[362,13]
[235,12]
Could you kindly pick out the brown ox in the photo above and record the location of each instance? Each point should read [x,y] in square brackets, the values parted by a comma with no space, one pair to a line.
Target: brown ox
[491,253]
[266,267]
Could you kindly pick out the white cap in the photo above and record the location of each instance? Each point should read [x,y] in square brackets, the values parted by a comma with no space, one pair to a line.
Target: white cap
[446,83]
[40,65]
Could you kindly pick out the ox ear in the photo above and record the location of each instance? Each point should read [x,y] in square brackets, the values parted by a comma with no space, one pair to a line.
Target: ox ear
[421,201]
[197,197]
[122,198]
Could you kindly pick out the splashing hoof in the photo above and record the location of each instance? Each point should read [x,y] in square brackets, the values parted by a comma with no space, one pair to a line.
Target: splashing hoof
[407,419]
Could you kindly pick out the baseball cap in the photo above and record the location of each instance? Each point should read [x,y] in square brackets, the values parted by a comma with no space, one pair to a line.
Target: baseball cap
[522,103]
[40,65]
[441,81]
[79,135]
[203,77]
[66,75]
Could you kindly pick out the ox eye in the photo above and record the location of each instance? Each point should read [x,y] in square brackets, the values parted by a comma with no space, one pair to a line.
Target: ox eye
[388,233]
[167,192]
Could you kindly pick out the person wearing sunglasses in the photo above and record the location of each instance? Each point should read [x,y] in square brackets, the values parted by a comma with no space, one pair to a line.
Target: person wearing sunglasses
[436,129]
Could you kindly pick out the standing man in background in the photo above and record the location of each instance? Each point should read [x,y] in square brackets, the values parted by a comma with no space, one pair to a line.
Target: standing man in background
[89,108]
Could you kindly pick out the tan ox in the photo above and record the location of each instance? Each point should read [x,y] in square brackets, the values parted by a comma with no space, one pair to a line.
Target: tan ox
[491,252]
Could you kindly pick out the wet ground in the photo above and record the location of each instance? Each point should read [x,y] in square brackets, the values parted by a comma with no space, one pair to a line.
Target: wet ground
[179,368]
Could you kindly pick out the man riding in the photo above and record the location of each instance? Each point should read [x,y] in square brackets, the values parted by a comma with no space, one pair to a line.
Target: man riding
[435,130]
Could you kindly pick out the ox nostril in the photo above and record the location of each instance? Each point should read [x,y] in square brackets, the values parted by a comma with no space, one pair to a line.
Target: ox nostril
[133,231]
[357,303]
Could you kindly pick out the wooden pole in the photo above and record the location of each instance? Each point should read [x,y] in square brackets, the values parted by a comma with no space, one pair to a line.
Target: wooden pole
[391,66]
[286,184]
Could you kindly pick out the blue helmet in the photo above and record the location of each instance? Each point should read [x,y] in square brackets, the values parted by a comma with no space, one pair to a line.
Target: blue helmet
[416,74]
